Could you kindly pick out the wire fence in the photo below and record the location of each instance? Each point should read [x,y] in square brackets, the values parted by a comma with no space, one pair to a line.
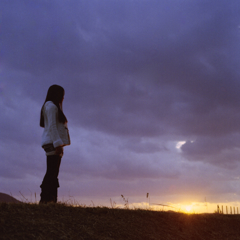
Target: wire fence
[227,210]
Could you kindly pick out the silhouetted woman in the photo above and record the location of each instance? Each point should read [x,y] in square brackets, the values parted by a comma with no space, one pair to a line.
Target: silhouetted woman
[55,137]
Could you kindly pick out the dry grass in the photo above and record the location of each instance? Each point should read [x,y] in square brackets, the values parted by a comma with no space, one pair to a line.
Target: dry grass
[60,221]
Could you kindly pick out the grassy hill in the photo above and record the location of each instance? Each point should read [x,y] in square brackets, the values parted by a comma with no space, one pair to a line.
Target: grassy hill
[59,221]
[7,198]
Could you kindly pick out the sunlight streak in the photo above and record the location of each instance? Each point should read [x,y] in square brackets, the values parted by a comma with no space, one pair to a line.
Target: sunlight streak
[179,144]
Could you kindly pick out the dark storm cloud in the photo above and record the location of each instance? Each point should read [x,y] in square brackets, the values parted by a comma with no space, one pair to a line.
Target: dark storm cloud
[119,35]
[138,146]
[108,157]
[20,115]
[121,169]
[222,151]
[130,69]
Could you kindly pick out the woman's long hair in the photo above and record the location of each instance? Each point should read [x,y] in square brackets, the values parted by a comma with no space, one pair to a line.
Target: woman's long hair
[55,94]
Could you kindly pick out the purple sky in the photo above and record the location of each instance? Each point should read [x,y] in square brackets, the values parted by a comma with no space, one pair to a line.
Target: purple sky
[152,97]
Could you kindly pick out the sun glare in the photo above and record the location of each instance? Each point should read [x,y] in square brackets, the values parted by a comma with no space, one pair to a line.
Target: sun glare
[188,208]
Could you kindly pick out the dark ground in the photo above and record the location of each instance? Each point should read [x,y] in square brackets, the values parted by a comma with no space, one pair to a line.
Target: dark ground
[7,198]
[59,221]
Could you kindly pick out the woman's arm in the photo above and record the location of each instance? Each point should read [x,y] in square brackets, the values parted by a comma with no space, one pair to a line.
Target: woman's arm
[59,150]
[52,115]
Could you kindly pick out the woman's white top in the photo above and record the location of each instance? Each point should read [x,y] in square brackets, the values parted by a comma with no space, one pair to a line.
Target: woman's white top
[54,132]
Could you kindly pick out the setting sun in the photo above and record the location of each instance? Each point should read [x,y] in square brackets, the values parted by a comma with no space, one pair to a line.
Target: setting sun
[188,208]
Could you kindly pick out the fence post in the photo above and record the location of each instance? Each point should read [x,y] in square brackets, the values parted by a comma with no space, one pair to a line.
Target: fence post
[226,210]
[230,210]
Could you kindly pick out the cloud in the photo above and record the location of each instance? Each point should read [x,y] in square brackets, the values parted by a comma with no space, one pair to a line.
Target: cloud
[98,157]
[142,146]
[21,117]
[139,77]
[222,151]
